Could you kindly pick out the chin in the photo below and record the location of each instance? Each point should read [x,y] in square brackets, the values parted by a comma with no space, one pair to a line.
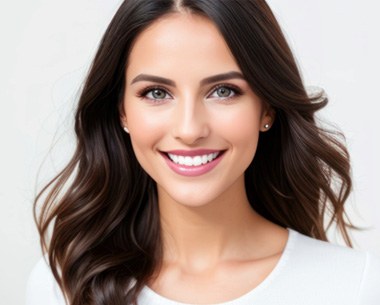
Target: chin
[194,202]
[192,198]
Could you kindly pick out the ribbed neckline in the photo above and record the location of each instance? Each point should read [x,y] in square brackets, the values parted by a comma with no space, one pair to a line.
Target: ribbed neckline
[153,297]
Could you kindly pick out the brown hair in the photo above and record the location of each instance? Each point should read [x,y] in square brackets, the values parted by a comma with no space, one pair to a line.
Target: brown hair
[102,207]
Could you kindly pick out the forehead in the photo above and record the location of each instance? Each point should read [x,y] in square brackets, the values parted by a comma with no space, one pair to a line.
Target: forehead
[180,41]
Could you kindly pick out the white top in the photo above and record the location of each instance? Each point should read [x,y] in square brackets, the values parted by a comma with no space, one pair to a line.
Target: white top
[310,271]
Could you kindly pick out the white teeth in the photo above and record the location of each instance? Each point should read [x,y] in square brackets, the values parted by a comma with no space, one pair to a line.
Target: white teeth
[193,161]
[197,161]
[188,161]
[181,159]
[204,159]
[175,158]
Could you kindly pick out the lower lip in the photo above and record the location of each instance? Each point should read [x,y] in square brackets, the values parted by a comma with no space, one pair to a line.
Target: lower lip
[192,171]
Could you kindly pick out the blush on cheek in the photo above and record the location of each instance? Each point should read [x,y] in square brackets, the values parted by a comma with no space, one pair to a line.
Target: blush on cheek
[242,131]
[242,125]
[146,131]
[141,123]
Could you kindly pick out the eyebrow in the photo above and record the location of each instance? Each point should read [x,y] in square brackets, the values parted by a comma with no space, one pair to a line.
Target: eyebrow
[205,81]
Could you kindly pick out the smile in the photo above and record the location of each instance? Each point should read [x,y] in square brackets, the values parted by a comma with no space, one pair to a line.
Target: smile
[192,163]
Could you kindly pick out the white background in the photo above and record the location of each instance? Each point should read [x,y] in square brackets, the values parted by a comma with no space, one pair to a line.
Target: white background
[47,46]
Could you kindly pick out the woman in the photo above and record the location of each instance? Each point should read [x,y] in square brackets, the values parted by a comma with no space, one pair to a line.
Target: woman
[200,174]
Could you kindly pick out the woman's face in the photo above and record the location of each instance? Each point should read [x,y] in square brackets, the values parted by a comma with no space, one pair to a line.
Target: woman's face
[186,96]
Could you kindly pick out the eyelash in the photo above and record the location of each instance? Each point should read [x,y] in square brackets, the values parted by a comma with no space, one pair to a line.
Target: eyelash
[236,90]
[142,93]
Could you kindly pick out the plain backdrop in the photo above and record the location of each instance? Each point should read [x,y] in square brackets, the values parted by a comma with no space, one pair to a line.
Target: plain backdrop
[47,47]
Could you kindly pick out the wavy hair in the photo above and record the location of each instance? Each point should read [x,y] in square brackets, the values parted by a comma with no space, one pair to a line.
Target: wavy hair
[101,210]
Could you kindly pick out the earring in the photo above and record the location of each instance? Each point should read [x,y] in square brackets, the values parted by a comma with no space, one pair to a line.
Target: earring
[126,129]
[266,126]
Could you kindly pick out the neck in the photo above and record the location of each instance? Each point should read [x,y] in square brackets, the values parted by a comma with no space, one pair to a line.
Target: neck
[200,237]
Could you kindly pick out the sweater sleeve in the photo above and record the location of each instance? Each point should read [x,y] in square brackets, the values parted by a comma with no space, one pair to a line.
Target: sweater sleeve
[369,293]
[42,289]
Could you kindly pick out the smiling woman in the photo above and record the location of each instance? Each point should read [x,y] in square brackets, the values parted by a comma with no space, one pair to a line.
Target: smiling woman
[200,175]
[205,112]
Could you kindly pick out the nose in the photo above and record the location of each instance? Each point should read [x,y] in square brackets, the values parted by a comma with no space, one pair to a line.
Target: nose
[191,123]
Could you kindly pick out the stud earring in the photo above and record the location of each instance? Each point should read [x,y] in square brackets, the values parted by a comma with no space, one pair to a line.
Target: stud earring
[266,126]
[126,129]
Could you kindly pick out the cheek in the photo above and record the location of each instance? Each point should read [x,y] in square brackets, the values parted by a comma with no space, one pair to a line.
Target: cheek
[241,125]
[146,129]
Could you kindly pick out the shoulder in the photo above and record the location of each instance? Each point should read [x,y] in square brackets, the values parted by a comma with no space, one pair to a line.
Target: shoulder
[370,283]
[343,272]
[42,289]
[326,251]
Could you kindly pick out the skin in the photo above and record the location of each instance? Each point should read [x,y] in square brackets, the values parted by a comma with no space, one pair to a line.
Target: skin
[213,240]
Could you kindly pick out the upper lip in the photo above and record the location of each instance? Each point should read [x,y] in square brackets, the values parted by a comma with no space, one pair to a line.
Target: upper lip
[192,153]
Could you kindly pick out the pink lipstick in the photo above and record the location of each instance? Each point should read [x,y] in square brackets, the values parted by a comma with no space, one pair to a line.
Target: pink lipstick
[193,163]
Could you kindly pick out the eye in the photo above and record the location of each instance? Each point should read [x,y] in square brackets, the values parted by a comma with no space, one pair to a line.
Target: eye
[156,94]
[225,92]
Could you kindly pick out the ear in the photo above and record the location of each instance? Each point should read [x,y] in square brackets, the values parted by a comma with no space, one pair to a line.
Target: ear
[123,118]
[267,118]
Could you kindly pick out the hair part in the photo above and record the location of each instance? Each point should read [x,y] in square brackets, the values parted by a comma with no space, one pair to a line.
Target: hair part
[106,236]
